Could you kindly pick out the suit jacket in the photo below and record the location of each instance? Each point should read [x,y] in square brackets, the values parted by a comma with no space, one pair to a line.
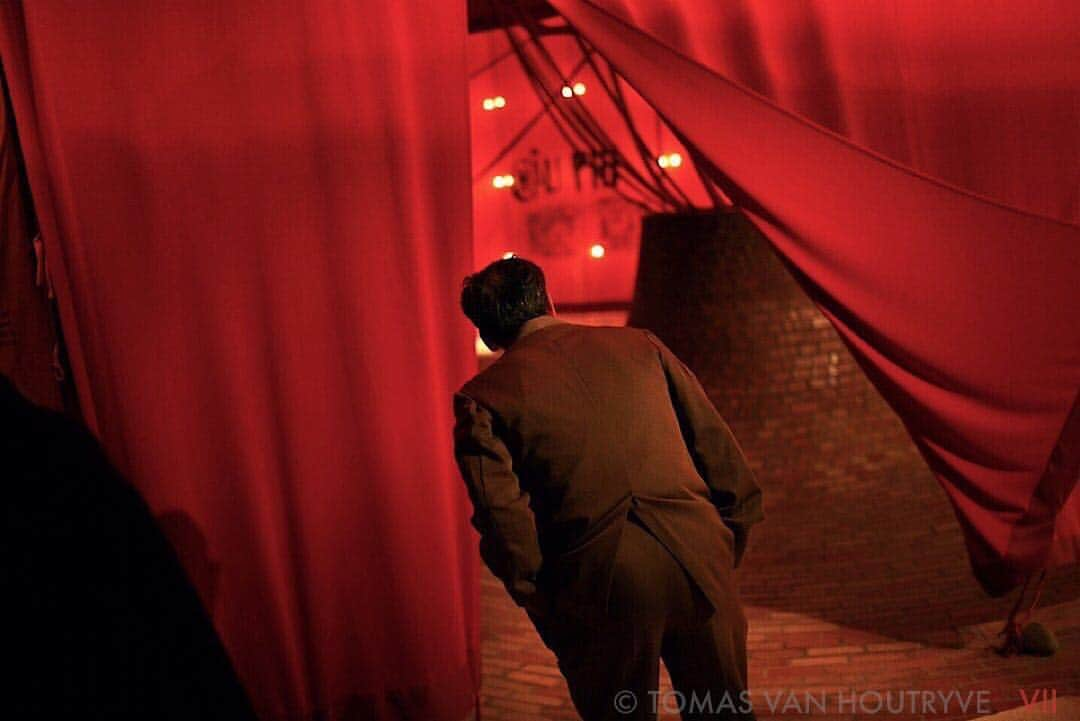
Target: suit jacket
[572,428]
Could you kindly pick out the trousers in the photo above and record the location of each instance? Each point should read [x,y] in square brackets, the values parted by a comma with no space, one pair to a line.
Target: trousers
[655,611]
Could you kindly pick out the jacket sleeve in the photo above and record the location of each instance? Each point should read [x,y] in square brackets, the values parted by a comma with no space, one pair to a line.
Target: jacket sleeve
[508,540]
[713,447]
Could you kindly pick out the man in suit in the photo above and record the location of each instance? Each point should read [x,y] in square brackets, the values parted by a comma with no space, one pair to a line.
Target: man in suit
[611,499]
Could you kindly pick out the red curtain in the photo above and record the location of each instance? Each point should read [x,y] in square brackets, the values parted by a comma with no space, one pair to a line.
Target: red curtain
[27,337]
[961,308]
[980,93]
[257,218]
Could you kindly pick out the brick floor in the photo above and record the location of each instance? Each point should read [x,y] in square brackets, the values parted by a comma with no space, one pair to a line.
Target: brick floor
[799,661]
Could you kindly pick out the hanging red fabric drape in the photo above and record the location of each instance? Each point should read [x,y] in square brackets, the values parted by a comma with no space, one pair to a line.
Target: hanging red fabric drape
[982,94]
[257,219]
[962,310]
[27,336]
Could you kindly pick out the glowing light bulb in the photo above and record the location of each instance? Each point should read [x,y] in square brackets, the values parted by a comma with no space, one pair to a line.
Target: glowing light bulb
[503,181]
[597,251]
[669,160]
[499,101]
[567,91]
[508,255]
[579,88]
[488,104]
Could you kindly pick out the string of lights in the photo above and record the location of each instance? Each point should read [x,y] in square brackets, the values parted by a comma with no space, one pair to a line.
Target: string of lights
[520,135]
[579,136]
[579,112]
[572,119]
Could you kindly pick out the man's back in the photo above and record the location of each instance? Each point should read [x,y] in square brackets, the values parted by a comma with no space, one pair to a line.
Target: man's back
[571,429]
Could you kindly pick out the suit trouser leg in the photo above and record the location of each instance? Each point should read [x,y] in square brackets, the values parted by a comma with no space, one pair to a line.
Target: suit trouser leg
[612,673]
[612,663]
[707,664]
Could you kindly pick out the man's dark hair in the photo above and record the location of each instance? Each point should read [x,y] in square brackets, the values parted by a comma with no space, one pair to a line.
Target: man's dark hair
[502,296]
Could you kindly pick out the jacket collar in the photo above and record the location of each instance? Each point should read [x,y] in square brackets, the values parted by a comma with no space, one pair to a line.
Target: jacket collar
[534,325]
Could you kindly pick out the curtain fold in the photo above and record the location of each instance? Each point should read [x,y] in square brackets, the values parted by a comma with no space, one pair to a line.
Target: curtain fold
[969,91]
[257,218]
[961,309]
[27,334]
